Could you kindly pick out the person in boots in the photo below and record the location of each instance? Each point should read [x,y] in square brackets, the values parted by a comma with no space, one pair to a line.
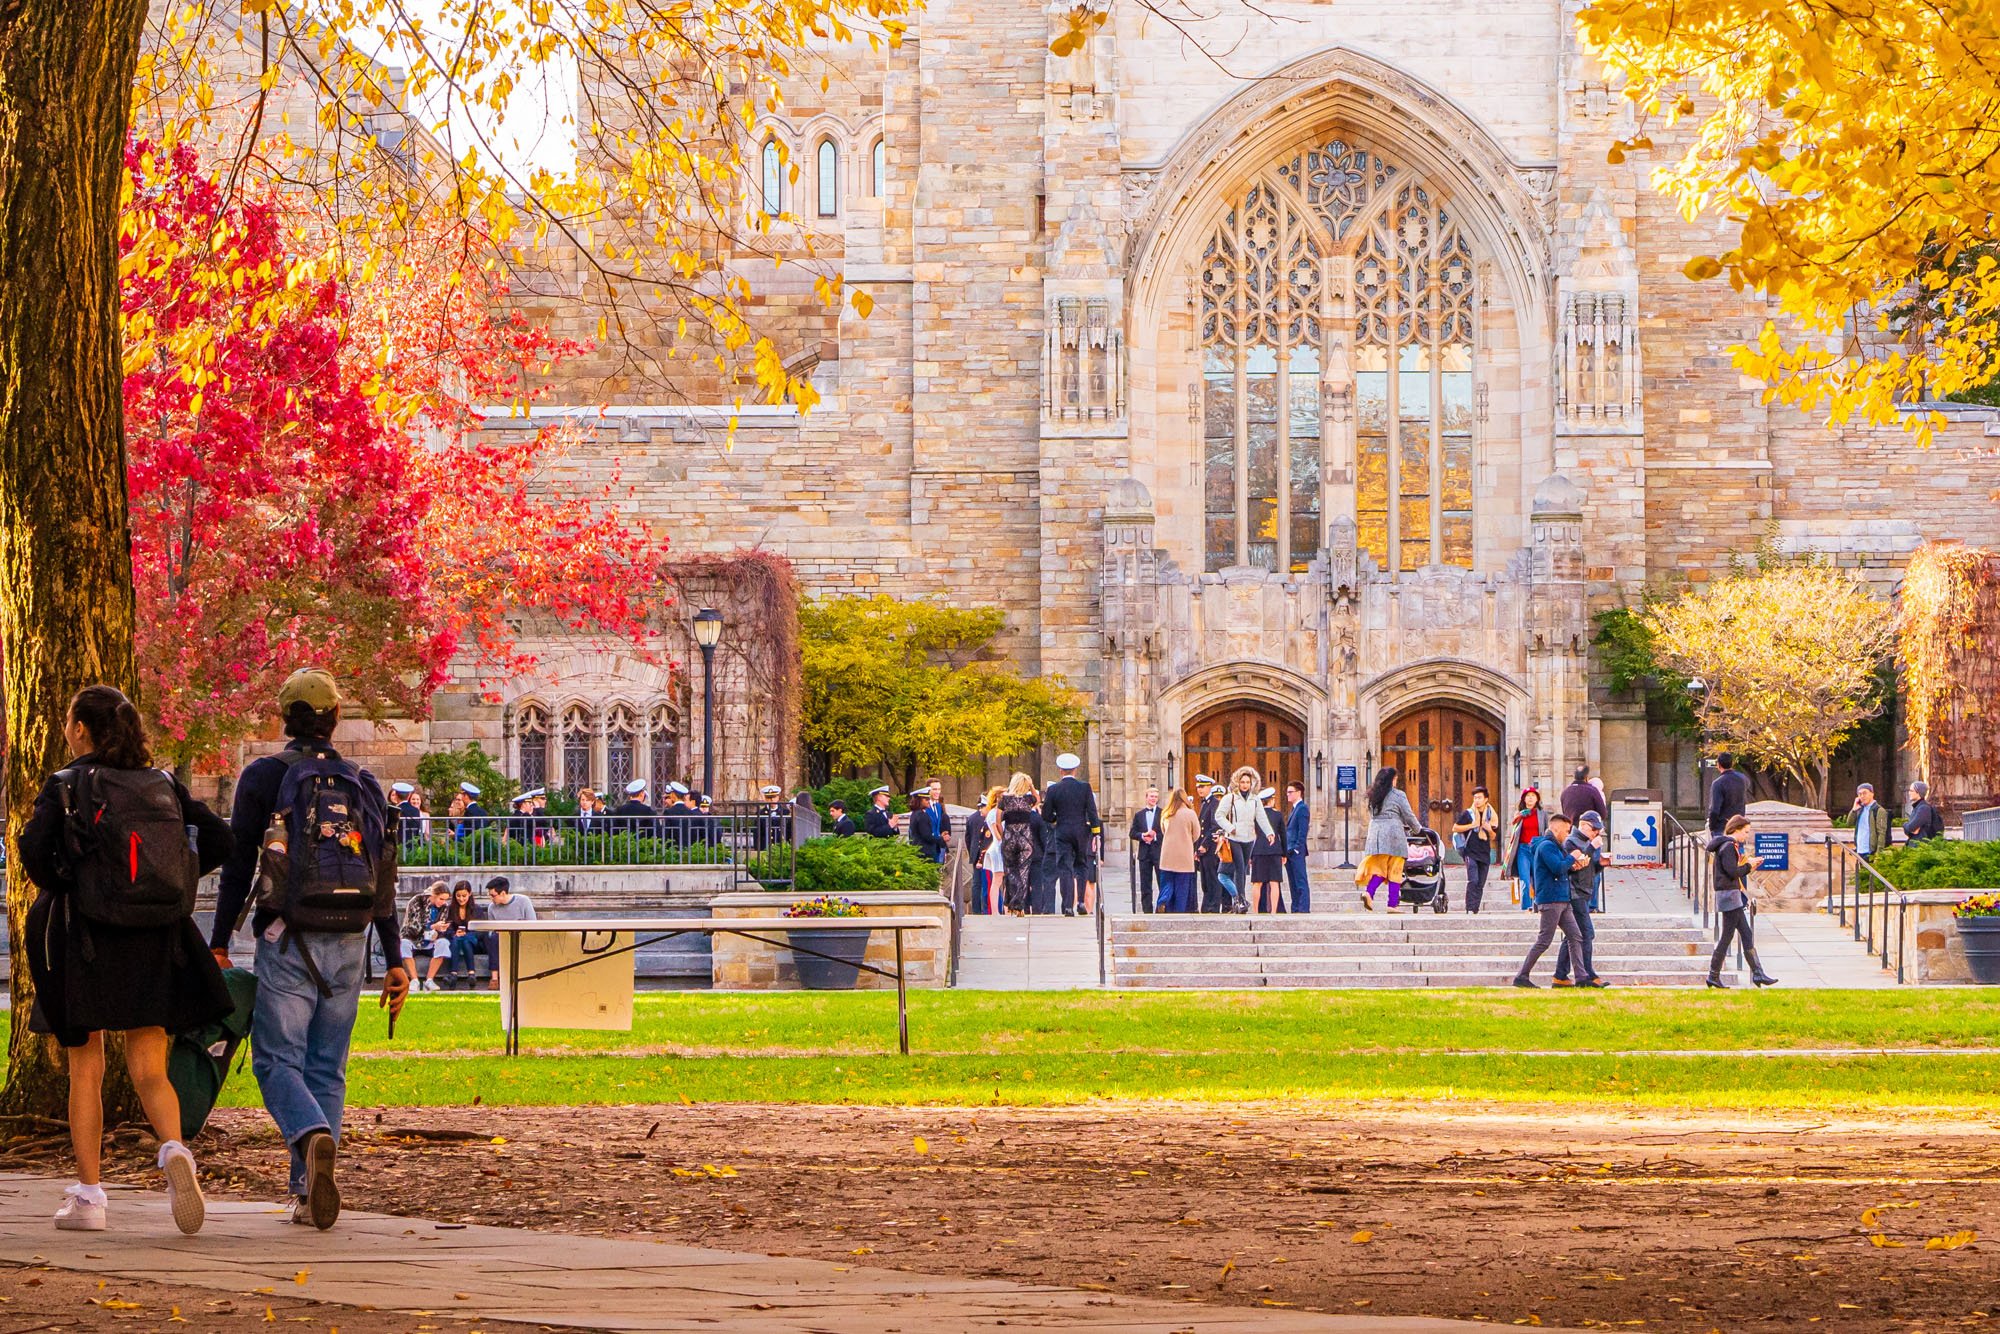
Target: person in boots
[1732,900]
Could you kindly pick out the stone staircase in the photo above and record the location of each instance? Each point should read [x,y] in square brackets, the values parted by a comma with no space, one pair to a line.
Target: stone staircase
[1384,950]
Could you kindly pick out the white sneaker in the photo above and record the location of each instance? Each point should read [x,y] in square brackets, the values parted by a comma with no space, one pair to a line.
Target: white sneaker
[78,1214]
[183,1187]
[297,1212]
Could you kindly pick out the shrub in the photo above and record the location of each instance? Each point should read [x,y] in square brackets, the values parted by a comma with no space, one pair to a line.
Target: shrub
[854,791]
[440,772]
[830,865]
[1939,863]
[489,848]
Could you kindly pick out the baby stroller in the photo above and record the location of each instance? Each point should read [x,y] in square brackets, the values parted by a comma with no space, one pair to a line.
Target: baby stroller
[1423,873]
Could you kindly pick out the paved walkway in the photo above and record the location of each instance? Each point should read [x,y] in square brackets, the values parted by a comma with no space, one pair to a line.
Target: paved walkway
[406,1264]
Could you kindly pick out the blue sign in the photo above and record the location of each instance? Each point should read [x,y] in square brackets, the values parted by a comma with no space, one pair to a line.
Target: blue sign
[1346,778]
[1773,851]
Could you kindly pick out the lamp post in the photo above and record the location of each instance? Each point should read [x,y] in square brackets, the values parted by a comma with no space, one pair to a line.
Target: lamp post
[707,634]
[1697,690]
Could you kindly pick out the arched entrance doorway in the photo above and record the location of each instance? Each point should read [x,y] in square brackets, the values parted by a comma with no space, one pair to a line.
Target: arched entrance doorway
[1442,753]
[1225,739]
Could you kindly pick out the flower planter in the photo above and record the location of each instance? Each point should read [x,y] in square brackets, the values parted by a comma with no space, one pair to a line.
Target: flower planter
[837,973]
[1980,937]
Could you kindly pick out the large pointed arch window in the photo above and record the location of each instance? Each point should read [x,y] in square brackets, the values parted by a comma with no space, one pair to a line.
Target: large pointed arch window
[1297,413]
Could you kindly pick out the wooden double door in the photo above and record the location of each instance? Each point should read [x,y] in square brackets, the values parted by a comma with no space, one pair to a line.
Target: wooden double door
[1441,754]
[1222,741]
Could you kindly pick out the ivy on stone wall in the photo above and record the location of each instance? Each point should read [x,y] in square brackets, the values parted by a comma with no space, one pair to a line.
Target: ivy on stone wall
[1948,639]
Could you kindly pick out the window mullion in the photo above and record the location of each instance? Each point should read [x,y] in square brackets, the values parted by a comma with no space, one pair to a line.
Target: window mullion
[1242,454]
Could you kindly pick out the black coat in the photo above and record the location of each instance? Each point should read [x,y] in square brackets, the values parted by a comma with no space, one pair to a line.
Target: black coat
[1071,807]
[977,836]
[927,834]
[1728,795]
[1146,820]
[844,827]
[877,824]
[1205,848]
[90,977]
[1924,822]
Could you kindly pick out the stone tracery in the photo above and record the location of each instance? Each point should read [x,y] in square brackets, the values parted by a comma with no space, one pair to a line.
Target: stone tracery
[1273,280]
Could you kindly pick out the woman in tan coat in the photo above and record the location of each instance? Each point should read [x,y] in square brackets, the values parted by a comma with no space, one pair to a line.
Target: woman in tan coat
[1179,832]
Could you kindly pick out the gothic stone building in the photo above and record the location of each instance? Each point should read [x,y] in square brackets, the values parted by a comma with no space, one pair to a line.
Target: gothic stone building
[1300,391]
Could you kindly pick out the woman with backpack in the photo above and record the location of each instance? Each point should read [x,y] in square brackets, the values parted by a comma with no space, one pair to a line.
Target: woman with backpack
[110,941]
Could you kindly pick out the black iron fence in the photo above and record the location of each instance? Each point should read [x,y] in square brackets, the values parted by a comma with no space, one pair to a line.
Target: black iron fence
[1857,895]
[760,841]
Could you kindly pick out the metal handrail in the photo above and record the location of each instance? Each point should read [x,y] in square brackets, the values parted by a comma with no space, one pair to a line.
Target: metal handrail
[1864,906]
[1688,857]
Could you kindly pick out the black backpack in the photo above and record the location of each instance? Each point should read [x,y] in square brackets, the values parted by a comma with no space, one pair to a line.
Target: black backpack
[332,821]
[125,843]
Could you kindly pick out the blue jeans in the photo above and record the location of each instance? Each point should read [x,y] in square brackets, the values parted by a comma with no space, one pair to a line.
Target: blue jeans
[1589,934]
[1295,871]
[299,1039]
[1176,892]
[1521,863]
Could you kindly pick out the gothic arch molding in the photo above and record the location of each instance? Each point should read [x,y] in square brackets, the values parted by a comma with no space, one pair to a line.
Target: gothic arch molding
[1453,681]
[1394,113]
[1272,686]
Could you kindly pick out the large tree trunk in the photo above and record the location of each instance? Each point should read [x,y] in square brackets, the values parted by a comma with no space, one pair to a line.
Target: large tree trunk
[66,70]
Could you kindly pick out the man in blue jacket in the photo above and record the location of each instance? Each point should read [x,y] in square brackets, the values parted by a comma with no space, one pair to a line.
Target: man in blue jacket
[1586,884]
[1549,866]
[1298,825]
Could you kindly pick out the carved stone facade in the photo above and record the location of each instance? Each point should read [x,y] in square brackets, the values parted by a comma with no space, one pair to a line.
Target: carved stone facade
[1341,379]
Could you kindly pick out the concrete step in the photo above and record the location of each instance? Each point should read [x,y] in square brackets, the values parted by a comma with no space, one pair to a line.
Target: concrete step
[1359,921]
[1378,964]
[1399,954]
[1342,981]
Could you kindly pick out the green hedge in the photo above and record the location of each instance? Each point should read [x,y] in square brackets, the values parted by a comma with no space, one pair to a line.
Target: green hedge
[857,865]
[488,848]
[854,792]
[1937,863]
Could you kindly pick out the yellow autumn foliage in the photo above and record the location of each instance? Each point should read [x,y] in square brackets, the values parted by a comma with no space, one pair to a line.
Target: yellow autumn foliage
[1851,149]
[1788,657]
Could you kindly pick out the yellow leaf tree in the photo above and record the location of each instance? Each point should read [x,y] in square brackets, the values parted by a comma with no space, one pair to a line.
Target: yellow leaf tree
[1854,147]
[1787,661]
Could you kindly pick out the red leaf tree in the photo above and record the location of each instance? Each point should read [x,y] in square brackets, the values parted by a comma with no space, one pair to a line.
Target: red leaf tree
[309,484]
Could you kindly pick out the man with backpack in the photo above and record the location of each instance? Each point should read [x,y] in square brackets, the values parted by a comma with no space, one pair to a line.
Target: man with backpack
[325,874]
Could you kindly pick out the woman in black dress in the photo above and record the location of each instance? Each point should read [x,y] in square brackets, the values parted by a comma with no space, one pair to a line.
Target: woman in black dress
[1017,841]
[1267,856]
[92,978]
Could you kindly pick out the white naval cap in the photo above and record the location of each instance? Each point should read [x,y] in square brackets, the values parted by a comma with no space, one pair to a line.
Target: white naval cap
[1267,794]
[402,789]
[1199,779]
[635,787]
[469,789]
[678,789]
[772,789]
[1067,761]
[879,791]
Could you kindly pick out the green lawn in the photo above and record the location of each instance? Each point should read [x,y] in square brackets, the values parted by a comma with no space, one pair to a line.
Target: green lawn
[982,1048]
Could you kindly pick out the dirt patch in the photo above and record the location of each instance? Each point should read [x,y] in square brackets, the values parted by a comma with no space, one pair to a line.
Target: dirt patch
[1656,1221]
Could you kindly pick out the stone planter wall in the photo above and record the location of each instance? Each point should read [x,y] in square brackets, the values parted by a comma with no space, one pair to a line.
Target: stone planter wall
[1803,887]
[741,964]
[1932,951]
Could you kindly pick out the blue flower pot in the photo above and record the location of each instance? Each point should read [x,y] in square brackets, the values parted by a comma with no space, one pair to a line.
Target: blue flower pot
[1981,938]
[837,973]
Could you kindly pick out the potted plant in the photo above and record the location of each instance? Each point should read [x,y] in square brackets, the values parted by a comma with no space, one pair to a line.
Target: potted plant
[835,960]
[1978,921]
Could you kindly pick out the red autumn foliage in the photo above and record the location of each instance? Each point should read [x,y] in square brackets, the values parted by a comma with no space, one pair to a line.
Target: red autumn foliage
[309,484]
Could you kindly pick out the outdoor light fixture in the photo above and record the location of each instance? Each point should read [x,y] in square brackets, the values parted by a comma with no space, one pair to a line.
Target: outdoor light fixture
[1319,770]
[1173,779]
[1368,765]
[707,634]
[1517,768]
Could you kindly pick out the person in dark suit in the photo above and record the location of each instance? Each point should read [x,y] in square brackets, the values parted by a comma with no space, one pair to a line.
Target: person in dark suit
[409,816]
[926,832]
[877,823]
[1042,891]
[633,815]
[1728,795]
[1071,811]
[842,825]
[1145,835]
[474,817]
[1298,828]
[1208,845]
[943,817]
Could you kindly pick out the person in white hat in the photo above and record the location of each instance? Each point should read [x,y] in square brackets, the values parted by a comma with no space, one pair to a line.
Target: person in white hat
[633,815]
[878,822]
[1070,808]
[1215,893]
[410,819]
[771,819]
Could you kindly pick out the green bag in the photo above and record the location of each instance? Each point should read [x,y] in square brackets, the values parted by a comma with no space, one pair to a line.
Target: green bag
[198,1061]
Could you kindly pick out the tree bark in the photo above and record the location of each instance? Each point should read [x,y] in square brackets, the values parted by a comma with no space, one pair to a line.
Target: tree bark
[66,613]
